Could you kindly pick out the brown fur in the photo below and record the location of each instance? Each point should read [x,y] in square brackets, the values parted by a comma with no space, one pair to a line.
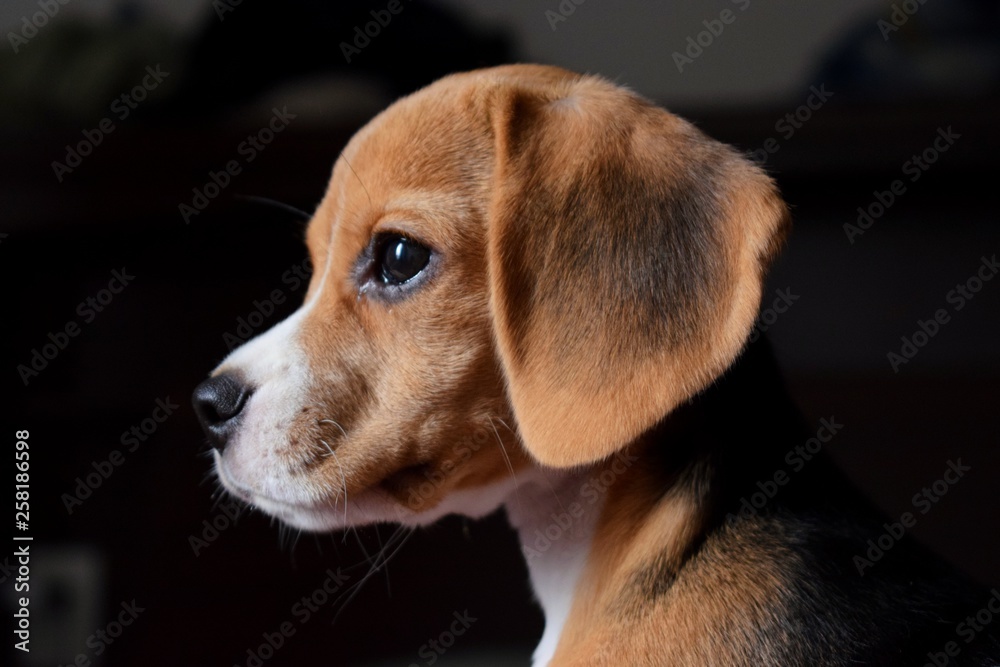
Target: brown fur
[626,257]
[646,599]
[616,270]
[596,266]
[598,262]
[610,253]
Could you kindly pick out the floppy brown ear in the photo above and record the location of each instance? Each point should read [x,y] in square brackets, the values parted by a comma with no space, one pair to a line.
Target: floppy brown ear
[627,252]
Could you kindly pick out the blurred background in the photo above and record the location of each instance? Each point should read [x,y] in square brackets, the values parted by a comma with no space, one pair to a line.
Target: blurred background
[142,144]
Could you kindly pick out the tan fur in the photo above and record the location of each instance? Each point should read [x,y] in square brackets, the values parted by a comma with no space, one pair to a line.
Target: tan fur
[629,608]
[586,378]
[600,261]
[460,166]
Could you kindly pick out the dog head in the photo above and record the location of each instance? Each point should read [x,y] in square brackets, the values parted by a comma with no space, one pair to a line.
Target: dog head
[514,267]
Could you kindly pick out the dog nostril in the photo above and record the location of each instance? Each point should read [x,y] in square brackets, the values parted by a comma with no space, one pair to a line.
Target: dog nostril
[217,402]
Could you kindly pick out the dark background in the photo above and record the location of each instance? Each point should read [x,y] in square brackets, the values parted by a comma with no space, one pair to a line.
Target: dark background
[230,66]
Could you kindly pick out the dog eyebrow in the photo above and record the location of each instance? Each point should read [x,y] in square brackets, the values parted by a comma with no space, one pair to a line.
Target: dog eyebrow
[348,163]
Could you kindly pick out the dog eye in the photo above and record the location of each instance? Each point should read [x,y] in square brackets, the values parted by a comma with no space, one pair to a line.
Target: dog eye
[400,259]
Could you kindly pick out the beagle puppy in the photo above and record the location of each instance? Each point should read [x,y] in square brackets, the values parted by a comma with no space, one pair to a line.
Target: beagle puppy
[533,290]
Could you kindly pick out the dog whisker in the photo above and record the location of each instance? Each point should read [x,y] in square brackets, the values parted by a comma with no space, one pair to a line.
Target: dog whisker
[368,557]
[331,421]
[329,449]
[395,543]
[506,458]
[544,476]
[218,497]
[361,545]
[343,479]
[505,424]
[267,201]
[388,584]
[357,177]
[288,537]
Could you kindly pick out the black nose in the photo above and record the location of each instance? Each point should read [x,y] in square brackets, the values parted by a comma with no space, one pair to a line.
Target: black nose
[217,402]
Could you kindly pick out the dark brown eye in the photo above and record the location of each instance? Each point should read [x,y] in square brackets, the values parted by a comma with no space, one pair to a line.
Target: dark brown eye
[400,259]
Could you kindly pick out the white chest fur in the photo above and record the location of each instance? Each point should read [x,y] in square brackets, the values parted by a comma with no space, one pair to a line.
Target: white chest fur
[555,514]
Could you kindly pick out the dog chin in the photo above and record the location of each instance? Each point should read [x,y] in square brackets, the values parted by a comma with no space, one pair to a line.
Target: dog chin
[294,514]
[366,507]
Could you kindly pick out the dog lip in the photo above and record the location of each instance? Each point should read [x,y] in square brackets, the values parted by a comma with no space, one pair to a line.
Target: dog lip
[281,508]
[228,482]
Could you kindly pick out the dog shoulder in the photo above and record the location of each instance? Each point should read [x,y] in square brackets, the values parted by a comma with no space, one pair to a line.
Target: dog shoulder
[784,588]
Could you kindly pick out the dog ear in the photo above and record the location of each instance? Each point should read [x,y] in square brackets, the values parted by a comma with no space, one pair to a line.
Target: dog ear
[626,254]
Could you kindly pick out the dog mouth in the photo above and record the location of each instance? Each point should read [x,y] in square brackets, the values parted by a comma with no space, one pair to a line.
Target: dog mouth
[229,484]
[327,512]
[306,517]
[252,497]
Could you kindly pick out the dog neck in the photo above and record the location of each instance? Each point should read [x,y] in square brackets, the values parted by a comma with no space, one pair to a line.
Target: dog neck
[555,514]
[589,533]
[578,530]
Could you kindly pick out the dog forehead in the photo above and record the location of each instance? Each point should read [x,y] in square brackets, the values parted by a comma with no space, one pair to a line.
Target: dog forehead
[428,153]
[442,139]
[445,130]
[425,141]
